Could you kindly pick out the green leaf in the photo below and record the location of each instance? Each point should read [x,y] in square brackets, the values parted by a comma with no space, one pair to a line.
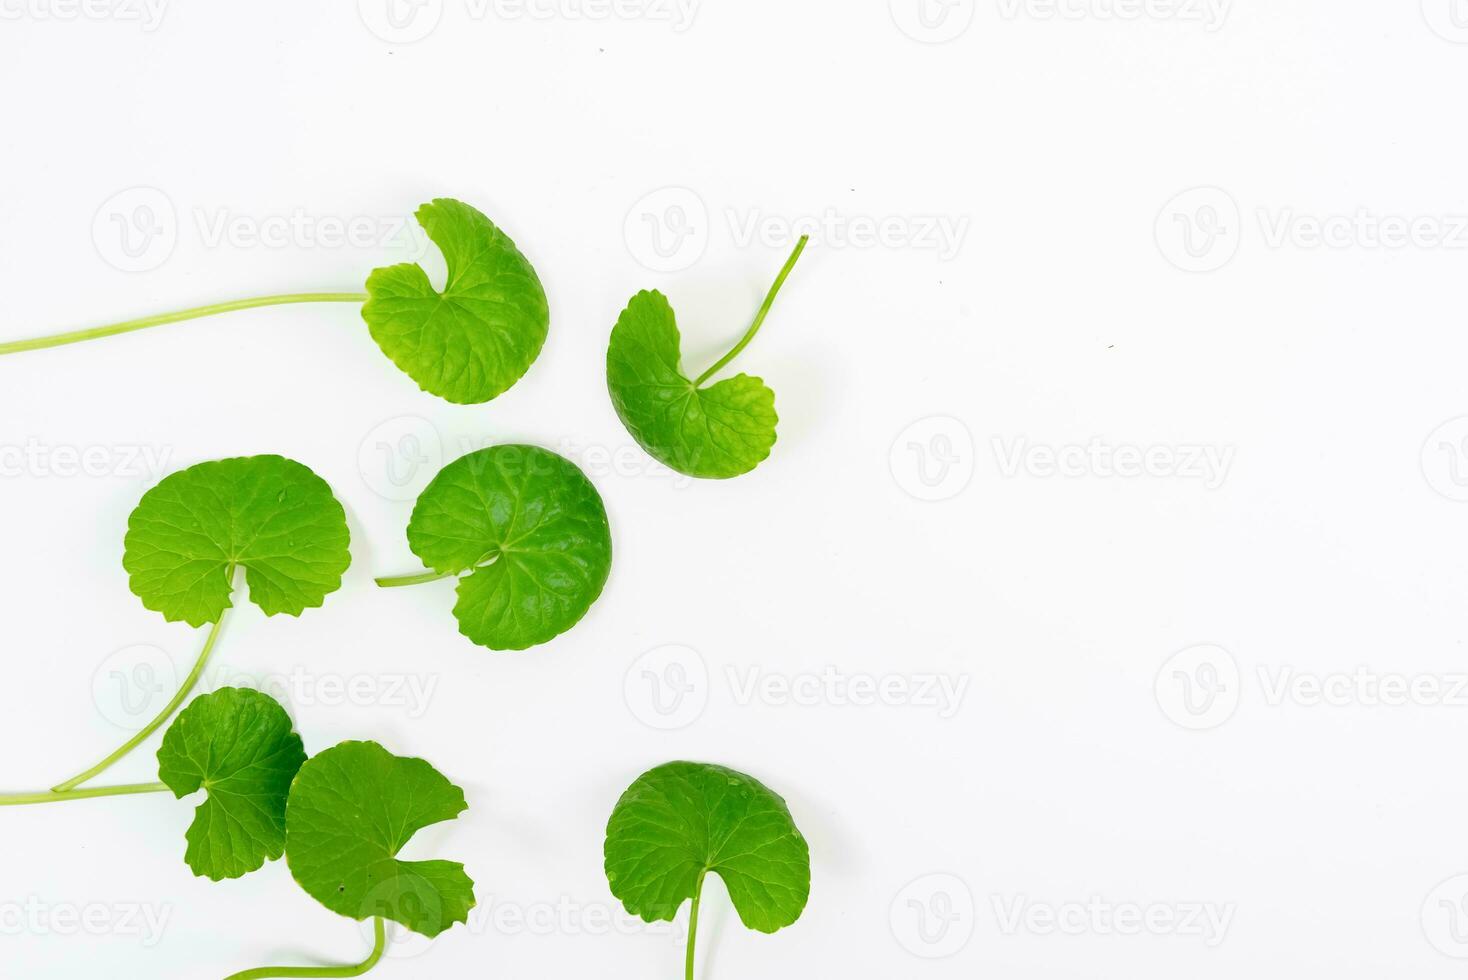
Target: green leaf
[238,746]
[684,819]
[351,810]
[269,514]
[479,336]
[531,531]
[717,432]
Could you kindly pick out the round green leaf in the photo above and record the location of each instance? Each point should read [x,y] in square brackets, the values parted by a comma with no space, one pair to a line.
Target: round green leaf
[684,819]
[269,514]
[531,532]
[239,747]
[351,810]
[717,432]
[475,339]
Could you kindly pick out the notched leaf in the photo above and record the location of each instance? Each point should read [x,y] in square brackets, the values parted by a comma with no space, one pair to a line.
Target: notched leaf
[352,808]
[476,338]
[237,745]
[682,820]
[268,514]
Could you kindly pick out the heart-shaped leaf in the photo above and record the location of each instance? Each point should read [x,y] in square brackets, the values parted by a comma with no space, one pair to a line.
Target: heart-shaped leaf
[267,513]
[531,532]
[476,338]
[716,432]
[351,810]
[682,820]
[238,746]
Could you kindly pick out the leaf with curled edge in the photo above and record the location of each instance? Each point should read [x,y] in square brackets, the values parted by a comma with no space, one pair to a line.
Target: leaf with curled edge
[352,808]
[474,339]
[716,432]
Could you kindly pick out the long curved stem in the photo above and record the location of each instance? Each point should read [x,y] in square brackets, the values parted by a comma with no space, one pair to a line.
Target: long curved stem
[393,581]
[693,925]
[193,313]
[759,317]
[379,944]
[152,726]
[52,796]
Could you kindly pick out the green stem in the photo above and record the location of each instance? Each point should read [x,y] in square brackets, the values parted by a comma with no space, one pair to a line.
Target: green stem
[56,340]
[759,317]
[379,944]
[393,581]
[52,796]
[152,726]
[693,920]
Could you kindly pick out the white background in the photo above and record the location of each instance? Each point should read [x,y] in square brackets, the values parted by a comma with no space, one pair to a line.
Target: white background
[1084,303]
